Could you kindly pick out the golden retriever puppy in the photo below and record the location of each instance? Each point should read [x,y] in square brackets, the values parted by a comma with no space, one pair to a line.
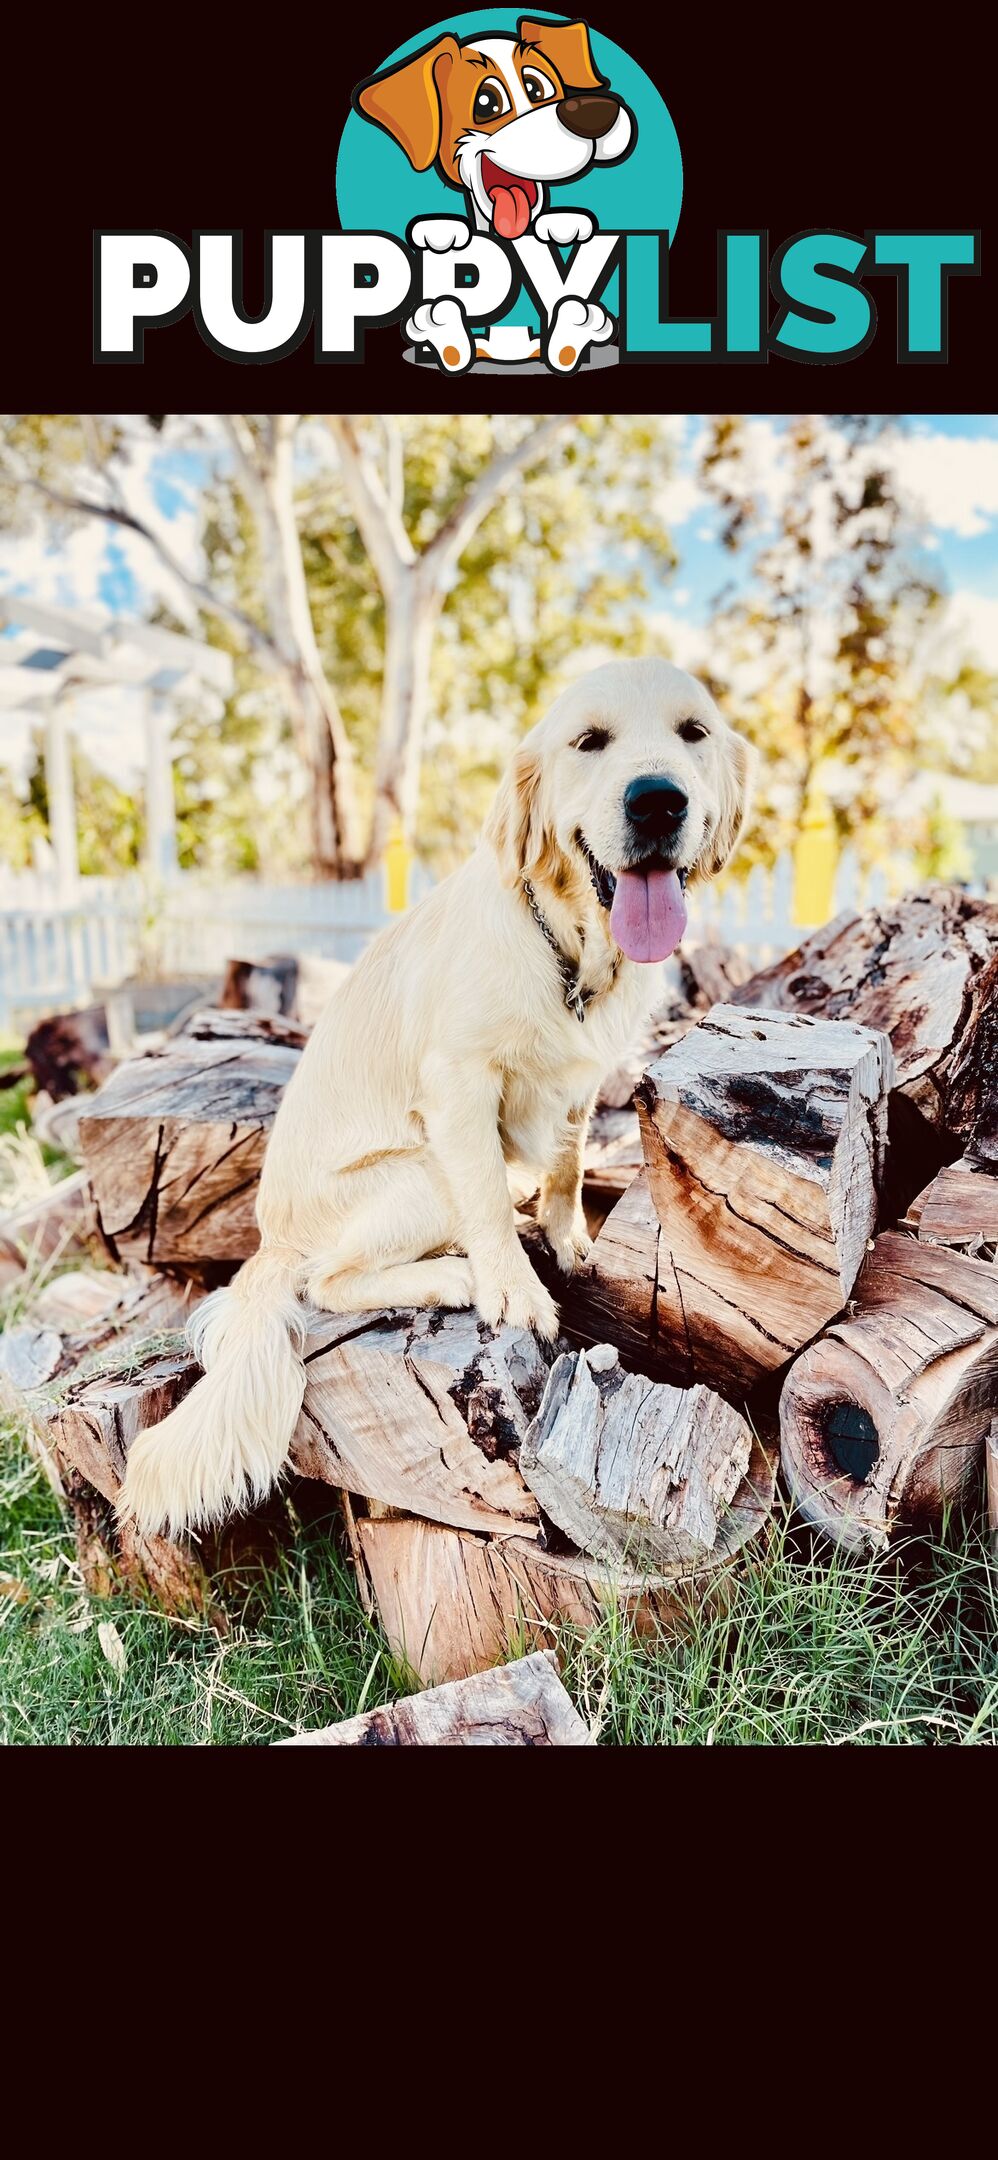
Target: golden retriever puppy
[469,1040]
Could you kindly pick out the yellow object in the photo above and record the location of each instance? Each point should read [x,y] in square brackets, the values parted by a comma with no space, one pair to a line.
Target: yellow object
[816,857]
[398,860]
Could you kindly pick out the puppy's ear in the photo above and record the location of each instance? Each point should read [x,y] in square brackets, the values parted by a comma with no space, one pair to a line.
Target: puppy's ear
[567,46]
[515,825]
[406,101]
[738,761]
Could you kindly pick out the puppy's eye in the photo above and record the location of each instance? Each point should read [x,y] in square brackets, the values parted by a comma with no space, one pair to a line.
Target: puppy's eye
[595,738]
[692,730]
[491,101]
[537,86]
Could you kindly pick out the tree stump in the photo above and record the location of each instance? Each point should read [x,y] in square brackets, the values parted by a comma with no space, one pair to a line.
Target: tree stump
[174,1143]
[883,1421]
[520,1705]
[764,1140]
[423,1411]
[666,1478]
[452,1603]
[924,971]
[959,1208]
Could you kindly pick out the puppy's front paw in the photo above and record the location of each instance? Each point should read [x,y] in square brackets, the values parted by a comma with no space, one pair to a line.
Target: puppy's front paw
[564,227]
[440,234]
[520,1300]
[575,325]
[571,1244]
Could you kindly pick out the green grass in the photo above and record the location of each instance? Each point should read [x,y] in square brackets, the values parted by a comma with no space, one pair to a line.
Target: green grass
[813,1649]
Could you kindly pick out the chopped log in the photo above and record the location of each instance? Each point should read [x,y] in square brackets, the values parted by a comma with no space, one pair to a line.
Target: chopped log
[452,1603]
[423,1411]
[70,1051]
[615,1296]
[883,1421]
[174,1142]
[959,1208]
[87,1427]
[764,1139]
[58,1223]
[29,1355]
[991,1473]
[666,1478]
[613,1157]
[923,970]
[520,1705]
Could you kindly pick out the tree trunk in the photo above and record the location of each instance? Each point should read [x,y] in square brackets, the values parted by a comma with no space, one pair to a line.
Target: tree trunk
[521,1705]
[174,1143]
[883,1421]
[764,1140]
[411,613]
[665,1478]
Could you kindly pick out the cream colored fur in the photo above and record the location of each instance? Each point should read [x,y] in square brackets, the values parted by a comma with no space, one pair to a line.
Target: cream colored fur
[446,1063]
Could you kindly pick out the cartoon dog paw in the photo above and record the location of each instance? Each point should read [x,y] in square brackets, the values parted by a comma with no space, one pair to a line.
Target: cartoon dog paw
[443,325]
[575,325]
[440,233]
[564,227]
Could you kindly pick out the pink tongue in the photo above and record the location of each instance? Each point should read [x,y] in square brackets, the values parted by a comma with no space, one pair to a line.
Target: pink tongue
[648,915]
[511,211]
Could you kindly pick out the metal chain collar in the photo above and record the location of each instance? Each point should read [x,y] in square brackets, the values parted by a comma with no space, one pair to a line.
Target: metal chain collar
[575,997]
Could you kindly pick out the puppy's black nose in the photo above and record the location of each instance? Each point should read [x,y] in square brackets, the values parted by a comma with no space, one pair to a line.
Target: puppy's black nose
[655,805]
[589,113]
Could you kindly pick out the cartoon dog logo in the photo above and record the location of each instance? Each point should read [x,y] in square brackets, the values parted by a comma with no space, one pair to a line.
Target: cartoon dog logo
[504,119]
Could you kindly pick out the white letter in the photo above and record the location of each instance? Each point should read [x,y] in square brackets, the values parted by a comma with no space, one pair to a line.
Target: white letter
[347,302]
[141,277]
[550,282]
[285,285]
[444,277]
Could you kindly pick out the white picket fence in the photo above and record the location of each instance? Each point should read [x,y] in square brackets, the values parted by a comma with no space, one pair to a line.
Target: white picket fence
[59,952]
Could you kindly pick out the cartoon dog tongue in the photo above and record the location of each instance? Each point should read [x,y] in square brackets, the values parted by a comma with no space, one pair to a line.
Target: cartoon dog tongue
[511,211]
[648,916]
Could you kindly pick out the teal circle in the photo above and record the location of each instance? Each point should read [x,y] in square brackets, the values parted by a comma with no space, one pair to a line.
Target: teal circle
[377,190]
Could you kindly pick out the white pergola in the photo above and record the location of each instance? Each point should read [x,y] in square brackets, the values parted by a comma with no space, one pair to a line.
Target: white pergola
[54,653]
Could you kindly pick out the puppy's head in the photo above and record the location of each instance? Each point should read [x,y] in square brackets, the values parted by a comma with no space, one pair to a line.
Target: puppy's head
[502,117]
[633,783]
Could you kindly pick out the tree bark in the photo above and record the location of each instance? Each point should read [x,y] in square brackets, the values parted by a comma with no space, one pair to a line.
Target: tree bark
[883,1421]
[521,1705]
[992,1485]
[764,1140]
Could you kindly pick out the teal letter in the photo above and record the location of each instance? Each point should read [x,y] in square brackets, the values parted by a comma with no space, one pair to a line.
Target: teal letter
[743,292]
[925,257]
[644,329]
[817,272]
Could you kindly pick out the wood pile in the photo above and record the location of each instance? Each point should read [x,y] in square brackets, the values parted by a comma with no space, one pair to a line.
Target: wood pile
[795,1264]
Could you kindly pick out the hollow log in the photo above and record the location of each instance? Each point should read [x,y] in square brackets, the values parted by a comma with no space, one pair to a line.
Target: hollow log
[883,1421]
[764,1139]
[666,1478]
[923,970]
[959,1208]
[423,1411]
[452,1603]
[519,1705]
[174,1143]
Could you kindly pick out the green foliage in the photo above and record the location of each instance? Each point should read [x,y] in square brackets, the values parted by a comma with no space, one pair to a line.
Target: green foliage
[819,654]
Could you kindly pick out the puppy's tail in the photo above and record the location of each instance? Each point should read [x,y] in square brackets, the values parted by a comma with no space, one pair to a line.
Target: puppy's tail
[225,1445]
